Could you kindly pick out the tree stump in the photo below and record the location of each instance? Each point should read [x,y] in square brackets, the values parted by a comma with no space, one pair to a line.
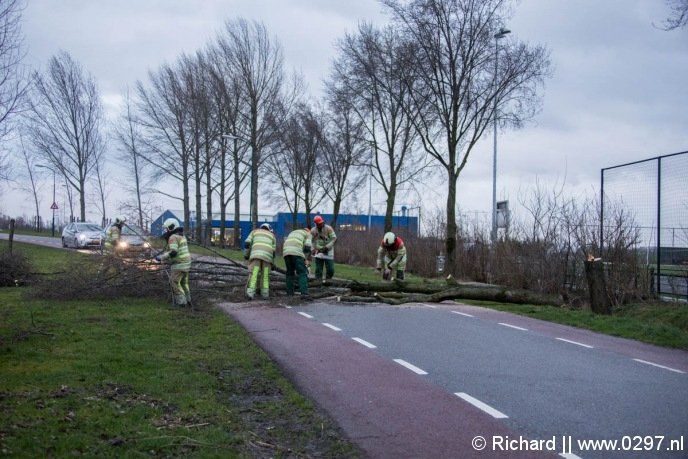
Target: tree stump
[597,287]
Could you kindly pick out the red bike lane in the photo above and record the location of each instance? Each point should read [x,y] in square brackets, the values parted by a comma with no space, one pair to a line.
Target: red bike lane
[387,410]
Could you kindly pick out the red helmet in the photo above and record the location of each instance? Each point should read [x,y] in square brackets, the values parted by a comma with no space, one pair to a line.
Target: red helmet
[318,220]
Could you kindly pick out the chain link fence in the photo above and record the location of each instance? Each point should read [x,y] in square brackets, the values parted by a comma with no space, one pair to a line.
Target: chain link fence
[654,193]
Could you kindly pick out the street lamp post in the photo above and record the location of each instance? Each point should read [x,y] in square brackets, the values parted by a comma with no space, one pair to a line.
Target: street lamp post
[501,34]
[52,206]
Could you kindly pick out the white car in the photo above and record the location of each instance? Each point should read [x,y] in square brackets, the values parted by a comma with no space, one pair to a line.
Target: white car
[133,241]
[81,235]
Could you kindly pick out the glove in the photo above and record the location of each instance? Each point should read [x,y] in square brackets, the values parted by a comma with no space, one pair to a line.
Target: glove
[324,250]
[246,256]
[157,258]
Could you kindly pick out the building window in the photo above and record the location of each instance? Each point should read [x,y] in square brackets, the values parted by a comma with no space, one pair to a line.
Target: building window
[352,227]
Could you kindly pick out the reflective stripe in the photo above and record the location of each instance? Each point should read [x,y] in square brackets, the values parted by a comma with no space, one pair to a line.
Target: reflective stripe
[181,262]
[296,242]
[262,245]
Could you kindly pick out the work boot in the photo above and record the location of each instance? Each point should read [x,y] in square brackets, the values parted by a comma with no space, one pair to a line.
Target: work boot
[400,275]
[265,294]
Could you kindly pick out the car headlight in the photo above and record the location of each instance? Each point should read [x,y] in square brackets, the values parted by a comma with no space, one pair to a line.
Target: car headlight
[82,237]
[146,244]
[122,244]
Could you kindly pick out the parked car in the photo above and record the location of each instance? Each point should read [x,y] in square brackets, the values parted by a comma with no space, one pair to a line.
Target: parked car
[82,235]
[133,242]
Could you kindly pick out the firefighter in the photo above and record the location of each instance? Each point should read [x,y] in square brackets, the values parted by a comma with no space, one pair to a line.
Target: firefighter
[324,238]
[114,233]
[296,250]
[260,252]
[178,256]
[391,256]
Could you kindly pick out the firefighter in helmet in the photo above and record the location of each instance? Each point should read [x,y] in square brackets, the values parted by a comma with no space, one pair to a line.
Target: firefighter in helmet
[324,238]
[296,251]
[114,233]
[260,252]
[391,257]
[177,255]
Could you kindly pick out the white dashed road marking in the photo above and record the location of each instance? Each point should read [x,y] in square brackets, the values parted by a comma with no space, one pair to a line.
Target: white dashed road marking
[462,314]
[478,404]
[365,343]
[307,316]
[513,326]
[575,342]
[413,368]
[332,326]
[659,366]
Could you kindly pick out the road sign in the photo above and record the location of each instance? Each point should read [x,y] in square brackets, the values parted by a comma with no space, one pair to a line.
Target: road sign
[54,206]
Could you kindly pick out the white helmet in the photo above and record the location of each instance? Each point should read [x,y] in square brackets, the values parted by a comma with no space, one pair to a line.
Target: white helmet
[120,220]
[171,224]
[389,239]
[266,226]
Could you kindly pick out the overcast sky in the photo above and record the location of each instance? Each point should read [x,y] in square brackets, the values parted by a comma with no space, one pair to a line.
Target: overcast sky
[618,92]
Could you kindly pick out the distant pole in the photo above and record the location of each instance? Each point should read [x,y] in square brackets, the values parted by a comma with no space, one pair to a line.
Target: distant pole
[53,205]
[501,34]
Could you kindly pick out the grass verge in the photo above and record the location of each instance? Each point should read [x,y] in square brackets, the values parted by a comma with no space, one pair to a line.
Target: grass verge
[134,377]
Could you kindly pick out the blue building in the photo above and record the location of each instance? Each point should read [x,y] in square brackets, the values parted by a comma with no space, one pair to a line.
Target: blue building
[282,224]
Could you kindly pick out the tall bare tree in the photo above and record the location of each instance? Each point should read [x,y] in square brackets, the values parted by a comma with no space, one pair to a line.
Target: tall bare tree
[369,72]
[128,139]
[233,168]
[33,175]
[163,116]
[294,165]
[13,81]
[459,89]
[344,150]
[259,63]
[67,121]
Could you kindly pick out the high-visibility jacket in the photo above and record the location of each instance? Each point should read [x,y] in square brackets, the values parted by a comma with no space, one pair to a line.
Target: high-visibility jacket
[262,244]
[297,243]
[111,237]
[392,257]
[177,252]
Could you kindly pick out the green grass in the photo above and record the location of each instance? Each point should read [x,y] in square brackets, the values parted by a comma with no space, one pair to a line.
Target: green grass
[134,377]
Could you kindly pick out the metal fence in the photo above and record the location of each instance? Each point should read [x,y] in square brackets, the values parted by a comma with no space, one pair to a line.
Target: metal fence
[654,194]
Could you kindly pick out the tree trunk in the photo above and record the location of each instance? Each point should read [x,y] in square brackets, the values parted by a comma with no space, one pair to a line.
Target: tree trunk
[597,287]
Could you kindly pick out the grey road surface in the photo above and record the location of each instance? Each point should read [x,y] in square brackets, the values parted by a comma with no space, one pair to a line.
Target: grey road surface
[38,240]
[555,385]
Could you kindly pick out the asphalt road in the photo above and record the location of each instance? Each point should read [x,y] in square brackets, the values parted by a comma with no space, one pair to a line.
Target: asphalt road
[39,240]
[398,379]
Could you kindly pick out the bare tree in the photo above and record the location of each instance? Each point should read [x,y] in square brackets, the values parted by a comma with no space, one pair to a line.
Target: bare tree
[369,72]
[294,166]
[259,63]
[166,143]
[234,168]
[66,122]
[32,174]
[128,138]
[678,16]
[13,82]
[102,188]
[344,149]
[455,63]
